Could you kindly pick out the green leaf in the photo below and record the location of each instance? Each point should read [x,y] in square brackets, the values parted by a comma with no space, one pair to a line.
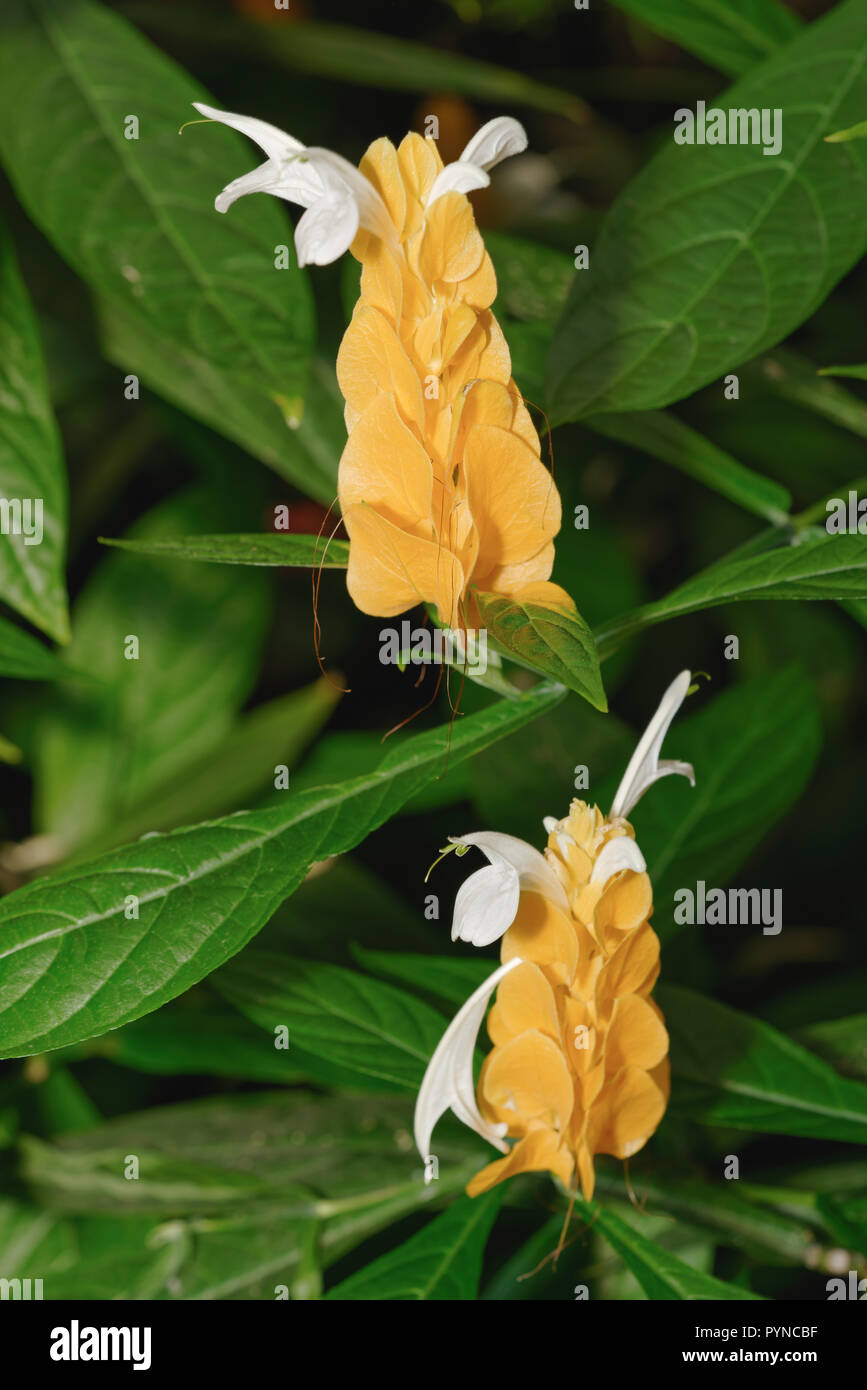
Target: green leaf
[265,548]
[700,264]
[232,774]
[310,1156]
[847,1219]
[793,378]
[366,58]
[730,1069]
[373,1034]
[304,450]
[102,750]
[855,132]
[859,372]
[24,657]
[731,35]
[135,216]
[31,465]
[448,979]
[726,1215]
[833,567]
[443,1261]
[74,963]
[660,1273]
[555,641]
[753,748]
[665,437]
[842,1042]
[199,1038]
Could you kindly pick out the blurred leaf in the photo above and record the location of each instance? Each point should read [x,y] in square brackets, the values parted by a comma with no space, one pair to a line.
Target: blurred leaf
[26,658]
[232,773]
[725,1214]
[31,464]
[299,1154]
[733,36]
[201,893]
[537,775]
[795,379]
[855,132]
[665,437]
[134,214]
[312,923]
[375,1035]
[443,1261]
[659,1272]
[732,1070]
[349,752]
[101,751]
[532,279]
[847,1219]
[9,752]
[363,57]
[860,372]
[206,1040]
[264,548]
[33,1244]
[753,749]
[553,640]
[831,567]
[842,1043]
[305,451]
[700,264]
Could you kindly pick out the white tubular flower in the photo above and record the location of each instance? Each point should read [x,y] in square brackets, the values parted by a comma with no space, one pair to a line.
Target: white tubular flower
[644,766]
[487,901]
[498,140]
[580,931]
[448,1081]
[615,856]
[338,198]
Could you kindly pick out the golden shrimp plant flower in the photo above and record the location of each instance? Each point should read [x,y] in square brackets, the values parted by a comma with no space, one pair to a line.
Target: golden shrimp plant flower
[579,1064]
[441,484]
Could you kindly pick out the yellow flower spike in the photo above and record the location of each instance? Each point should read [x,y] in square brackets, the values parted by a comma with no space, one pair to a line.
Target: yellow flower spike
[423,336]
[579,1063]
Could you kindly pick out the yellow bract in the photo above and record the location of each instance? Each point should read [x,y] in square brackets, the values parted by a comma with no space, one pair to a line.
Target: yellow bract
[441,484]
[580,1059]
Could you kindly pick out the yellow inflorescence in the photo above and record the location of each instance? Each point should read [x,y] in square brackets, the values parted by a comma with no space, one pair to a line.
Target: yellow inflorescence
[579,1065]
[441,484]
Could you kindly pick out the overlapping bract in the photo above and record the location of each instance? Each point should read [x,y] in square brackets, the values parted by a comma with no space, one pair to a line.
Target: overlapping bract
[441,483]
[579,1065]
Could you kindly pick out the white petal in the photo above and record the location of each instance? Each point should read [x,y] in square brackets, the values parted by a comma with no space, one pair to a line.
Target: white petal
[499,139]
[521,869]
[337,173]
[486,905]
[645,767]
[550,823]
[448,1080]
[327,229]
[459,177]
[283,174]
[620,853]
[276,143]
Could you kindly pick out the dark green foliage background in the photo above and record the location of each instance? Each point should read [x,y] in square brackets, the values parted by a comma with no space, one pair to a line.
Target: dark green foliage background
[259,1167]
